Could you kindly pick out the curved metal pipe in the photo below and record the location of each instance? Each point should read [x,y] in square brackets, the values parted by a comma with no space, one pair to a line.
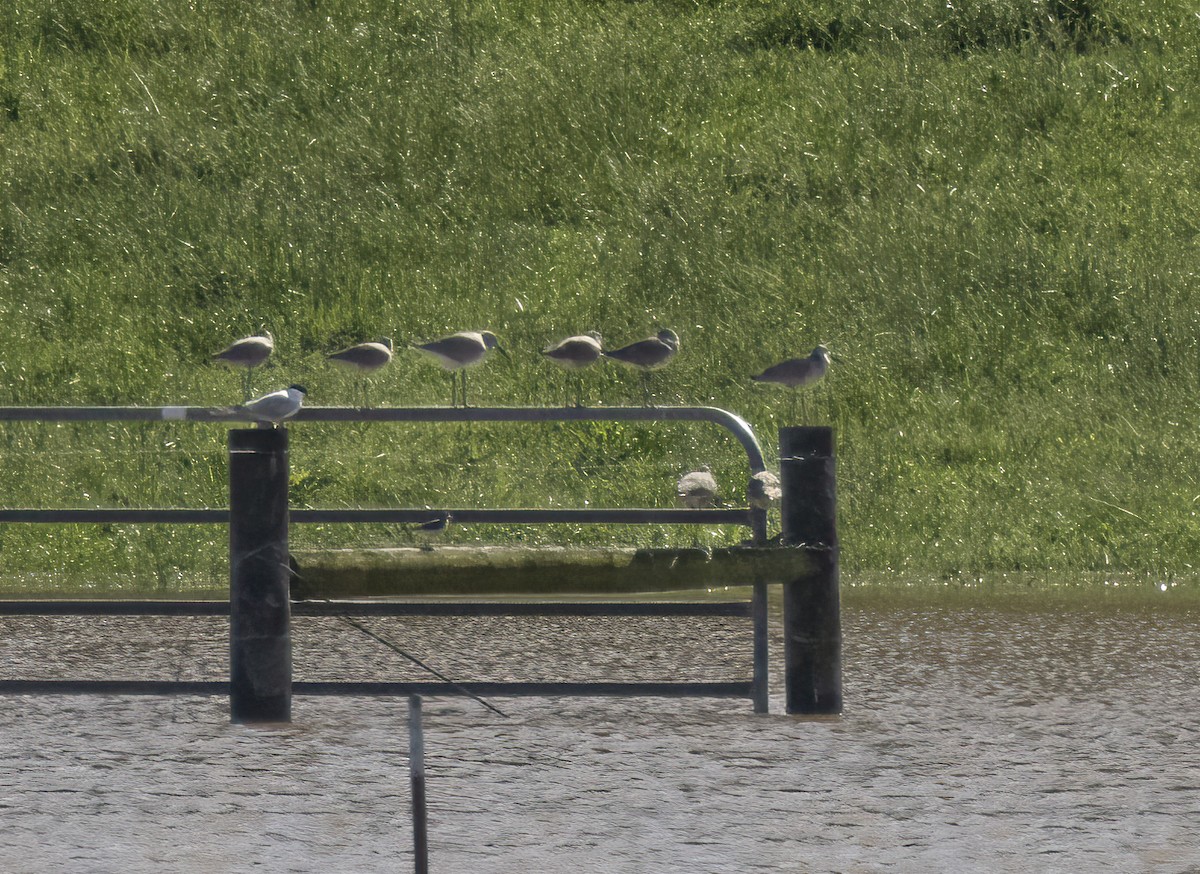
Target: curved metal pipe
[731,422]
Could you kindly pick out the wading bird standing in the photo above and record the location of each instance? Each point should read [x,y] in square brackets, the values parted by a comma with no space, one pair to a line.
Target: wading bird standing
[798,373]
[459,351]
[248,352]
[278,405]
[364,358]
[647,355]
[576,353]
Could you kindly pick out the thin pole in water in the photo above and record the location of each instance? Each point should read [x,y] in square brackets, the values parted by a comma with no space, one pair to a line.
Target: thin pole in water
[416,772]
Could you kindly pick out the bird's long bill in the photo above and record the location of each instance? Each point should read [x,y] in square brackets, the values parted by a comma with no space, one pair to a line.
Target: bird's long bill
[500,349]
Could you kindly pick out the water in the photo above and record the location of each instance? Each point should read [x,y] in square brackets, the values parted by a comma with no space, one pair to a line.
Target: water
[976,738]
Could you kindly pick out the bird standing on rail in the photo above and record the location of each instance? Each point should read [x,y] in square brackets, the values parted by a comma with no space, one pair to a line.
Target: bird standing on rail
[364,358]
[698,489]
[763,490]
[278,405]
[798,373]
[648,355]
[248,352]
[576,353]
[459,351]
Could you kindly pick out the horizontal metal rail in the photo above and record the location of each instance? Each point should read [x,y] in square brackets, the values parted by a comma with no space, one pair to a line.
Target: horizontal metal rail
[515,516]
[114,687]
[728,689]
[115,516]
[94,607]
[736,425]
[731,422]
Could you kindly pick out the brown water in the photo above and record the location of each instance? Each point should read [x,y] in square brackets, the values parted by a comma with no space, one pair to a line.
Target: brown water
[974,739]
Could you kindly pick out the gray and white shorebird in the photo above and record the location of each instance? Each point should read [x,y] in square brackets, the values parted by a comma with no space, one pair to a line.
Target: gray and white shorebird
[763,490]
[248,352]
[648,355]
[364,358]
[459,351]
[697,489]
[576,353]
[798,373]
[278,405]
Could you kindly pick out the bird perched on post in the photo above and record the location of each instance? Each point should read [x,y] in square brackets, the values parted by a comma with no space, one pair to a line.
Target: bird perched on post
[798,373]
[278,405]
[248,352]
[647,355]
[461,350]
[697,489]
[576,353]
[364,358]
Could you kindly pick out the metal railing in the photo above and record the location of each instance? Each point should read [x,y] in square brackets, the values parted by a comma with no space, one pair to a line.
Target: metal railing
[754,518]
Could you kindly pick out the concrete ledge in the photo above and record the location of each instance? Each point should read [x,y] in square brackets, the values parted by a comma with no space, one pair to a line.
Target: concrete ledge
[547,570]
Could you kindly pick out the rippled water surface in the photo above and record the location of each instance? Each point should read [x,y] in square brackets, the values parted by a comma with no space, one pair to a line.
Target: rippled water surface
[975,738]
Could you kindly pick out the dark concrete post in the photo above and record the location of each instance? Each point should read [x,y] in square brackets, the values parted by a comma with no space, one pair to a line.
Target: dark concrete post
[812,622]
[260,643]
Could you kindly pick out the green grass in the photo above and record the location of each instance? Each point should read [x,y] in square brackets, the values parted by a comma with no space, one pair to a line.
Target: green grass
[988,210]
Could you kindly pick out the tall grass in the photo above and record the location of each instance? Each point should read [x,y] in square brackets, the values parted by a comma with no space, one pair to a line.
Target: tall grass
[986,209]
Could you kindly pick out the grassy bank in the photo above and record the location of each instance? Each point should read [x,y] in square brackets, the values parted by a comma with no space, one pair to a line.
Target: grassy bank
[987,210]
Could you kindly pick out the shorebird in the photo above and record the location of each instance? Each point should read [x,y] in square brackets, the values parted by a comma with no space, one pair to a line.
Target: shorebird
[364,358]
[576,353]
[457,351]
[697,489]
[647,355]
[763,490]
[798,373]
[427,532]
[278,405]
[248,352]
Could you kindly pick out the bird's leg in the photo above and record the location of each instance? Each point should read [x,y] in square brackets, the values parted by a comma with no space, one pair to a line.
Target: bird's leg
[464,389]
[646,388]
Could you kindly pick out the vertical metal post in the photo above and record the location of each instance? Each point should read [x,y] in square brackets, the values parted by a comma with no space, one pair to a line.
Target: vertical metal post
[260,643]
[811,605]
[416,774]
[758,608]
